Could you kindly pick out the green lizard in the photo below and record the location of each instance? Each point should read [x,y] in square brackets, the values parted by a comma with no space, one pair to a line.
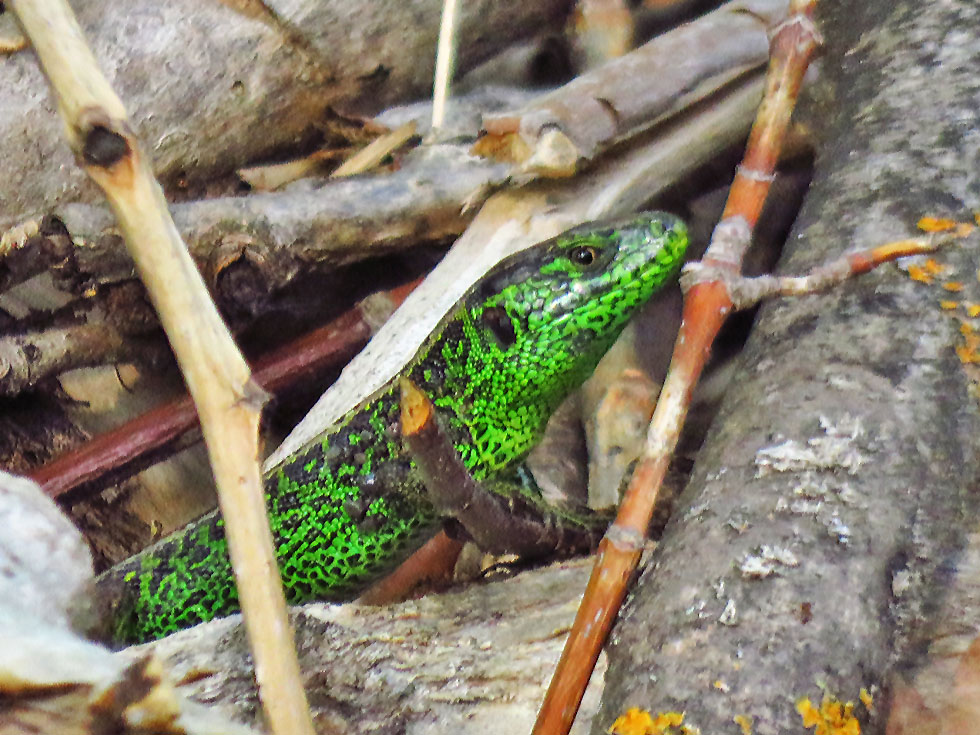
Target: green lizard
[351,505]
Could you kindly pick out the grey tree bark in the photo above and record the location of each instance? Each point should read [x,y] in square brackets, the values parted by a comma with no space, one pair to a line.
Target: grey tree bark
[212,86]
[817,548]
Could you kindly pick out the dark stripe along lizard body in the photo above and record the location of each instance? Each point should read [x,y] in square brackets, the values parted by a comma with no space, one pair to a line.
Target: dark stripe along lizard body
[350,506]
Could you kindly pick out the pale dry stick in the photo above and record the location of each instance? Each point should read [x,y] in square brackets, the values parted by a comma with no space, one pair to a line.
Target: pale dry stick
[706,306]
[374,152]
[445,53]
[746,292]
[217,376]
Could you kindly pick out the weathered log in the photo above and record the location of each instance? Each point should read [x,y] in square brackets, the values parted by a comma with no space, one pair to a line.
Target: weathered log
[212,86]
[810,552]
[471,661]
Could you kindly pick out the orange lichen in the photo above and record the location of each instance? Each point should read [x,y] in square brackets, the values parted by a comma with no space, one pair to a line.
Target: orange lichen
[948,305]
[866,699]
[936,224]
[954,286]
[968,351]
[640,722]
[933,266]
[920,274]
[972,309]
[832,718]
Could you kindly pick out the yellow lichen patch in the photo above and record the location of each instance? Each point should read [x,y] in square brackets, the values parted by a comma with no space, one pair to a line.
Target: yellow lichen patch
[968,351]
[948,305]
[972,309]
[634,722]
[933,266]
[936,224]
[976,217]
[920,274]
[832,718]
[744,722]
[640,722]
[866,699]
[720,685]
[954,286]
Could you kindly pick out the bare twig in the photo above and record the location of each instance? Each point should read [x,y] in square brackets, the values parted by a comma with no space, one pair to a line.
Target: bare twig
[373,153]
[497,523]
[706,306]
[557,134]
[216,374]
[117,453]
[747,292]
[445,57]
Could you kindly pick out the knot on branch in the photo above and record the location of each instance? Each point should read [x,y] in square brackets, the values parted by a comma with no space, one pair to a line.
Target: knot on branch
[102,141]
[237,272]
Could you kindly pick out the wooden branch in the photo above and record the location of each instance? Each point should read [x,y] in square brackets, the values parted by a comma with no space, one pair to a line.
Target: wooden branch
[496,523]
[118,453]
[216,374]
[471,661]
[445,61]
[706,305]
[27,359]
[207,103]
[564,130]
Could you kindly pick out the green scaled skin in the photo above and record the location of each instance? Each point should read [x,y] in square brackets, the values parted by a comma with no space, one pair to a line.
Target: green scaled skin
[350,506]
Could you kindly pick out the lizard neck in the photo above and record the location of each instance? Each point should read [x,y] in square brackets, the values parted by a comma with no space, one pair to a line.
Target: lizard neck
[497,401]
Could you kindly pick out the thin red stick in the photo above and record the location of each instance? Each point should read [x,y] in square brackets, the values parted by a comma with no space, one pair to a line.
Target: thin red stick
[706,306]
[328,345]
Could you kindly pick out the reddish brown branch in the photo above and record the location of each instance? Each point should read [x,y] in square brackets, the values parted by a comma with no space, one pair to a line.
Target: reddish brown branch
[706,306]
[122,447]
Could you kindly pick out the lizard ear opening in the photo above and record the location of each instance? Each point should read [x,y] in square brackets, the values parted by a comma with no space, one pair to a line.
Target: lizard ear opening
[500,325]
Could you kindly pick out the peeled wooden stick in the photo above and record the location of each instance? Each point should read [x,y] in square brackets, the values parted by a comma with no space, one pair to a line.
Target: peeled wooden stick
[227,400]
[445,56]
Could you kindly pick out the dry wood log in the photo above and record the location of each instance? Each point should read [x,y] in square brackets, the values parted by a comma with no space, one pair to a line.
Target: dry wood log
[559,133]
[834,497]
[212,86]
[473,661]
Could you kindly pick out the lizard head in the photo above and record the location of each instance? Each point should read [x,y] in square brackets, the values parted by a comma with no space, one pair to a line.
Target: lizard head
[539,322]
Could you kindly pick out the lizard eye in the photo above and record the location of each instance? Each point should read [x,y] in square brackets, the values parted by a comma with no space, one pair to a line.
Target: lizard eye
[583,255]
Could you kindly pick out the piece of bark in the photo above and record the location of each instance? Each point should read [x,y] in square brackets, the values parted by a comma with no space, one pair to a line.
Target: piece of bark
[211,88]
[472,661]
[839,479]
